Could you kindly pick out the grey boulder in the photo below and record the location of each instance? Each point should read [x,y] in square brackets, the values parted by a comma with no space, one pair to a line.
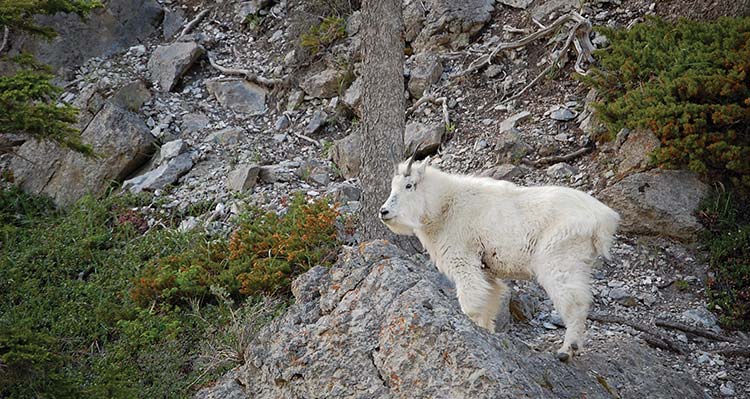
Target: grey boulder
[427,136]
[431,24]
[658,202]
[380,325]
[168,63]
[426,69]
[239,95]
[347,155]
[166,174]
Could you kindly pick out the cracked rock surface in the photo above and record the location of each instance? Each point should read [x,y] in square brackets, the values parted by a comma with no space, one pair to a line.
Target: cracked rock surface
[380,324]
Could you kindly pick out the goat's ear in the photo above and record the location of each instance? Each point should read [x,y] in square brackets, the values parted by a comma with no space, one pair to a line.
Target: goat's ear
[419,169]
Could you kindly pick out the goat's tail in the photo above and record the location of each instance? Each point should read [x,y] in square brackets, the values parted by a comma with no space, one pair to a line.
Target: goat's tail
[606,225]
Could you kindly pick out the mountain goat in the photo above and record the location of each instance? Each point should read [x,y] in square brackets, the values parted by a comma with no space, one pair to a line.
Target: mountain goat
[479,231]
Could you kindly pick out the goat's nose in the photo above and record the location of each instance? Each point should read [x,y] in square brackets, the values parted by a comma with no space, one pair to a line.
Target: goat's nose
[383,212]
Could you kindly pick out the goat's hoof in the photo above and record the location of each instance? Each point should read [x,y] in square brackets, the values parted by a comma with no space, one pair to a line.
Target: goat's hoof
[562,356]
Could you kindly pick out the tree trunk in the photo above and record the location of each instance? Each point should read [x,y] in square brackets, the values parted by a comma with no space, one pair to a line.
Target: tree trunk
[383,106]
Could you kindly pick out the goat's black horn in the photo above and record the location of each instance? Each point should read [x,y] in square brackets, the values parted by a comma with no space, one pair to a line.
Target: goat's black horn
[411,160]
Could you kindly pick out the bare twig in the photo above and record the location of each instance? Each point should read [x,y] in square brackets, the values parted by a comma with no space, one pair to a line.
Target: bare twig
[435,100]
[193,23]
[653,337]
[303,137]
[558,158]
[552,65]
[6,31]
[242,72]
[693,330]
[581,37]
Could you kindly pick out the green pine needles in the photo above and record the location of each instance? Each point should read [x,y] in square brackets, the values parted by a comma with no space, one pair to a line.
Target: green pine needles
[28,99]
[688,83]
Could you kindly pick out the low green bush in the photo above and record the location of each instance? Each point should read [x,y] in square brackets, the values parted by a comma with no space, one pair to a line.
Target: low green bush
[262,256]
[687,82]
[322,35]
[727,239]
[95,304]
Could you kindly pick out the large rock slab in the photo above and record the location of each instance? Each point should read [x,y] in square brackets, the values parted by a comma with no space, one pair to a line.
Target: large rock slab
[239,95]
[117,26]
[426,69]
[168,63]
[380,325]
[427,136]
[659,202]
[323,84]
[164,175]
[120,138]
[431,24]
[347,155]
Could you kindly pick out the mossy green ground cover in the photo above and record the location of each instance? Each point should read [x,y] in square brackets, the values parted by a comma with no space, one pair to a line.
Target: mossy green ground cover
[72,323]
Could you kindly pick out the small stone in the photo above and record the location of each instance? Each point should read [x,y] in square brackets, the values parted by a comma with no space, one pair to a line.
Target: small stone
[160,177]
[480,145]
[493,70]
[682,338]
[562,114]
[282,123]
[168,63]
[522,4]
[188,224]
[549,326]
[722,375]
[727,389]
[702,316]
[280,138]
[323,84]
[562,137]
[227,136]
[137,50]
[510,123]
[615,283]
[294,100]
[170,150]
[704,358]
[618,293]
[353,96]
[561,169]
[243,178]
[318,120]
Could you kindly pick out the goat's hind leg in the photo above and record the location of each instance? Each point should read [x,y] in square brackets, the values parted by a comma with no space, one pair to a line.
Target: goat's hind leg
[568,285]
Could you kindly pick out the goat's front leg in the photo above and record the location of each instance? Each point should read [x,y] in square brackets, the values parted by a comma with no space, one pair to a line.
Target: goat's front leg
[473,290]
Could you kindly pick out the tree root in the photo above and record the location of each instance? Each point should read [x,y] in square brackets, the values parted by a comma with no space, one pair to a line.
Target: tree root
[249,76]
[735,351]
[578,36]
[651,336]
[693,330]
[558,158]
[193,23]
[435,100]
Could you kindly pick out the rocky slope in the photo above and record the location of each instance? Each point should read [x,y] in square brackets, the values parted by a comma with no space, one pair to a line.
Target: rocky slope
[174,125]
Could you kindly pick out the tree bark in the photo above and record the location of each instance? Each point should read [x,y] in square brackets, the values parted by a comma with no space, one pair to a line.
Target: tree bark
[383,106]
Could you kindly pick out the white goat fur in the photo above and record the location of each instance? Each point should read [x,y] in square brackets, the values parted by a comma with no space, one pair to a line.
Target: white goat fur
[479,231]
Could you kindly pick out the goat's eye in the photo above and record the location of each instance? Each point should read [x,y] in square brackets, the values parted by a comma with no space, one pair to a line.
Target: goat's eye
[408,186]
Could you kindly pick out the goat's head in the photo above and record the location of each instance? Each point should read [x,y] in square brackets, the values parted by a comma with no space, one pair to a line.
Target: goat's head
[404,208]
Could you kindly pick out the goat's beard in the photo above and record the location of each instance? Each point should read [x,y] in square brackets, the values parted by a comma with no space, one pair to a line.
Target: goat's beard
[398,227]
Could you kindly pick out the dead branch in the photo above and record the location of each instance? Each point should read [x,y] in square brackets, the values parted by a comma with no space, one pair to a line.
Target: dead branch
[693,330]
[303,137]
[558,158]
[432,99]
[6,31]
[555,61]
[193,23]
[652,337]
[582,39]
[735,351]
[249,76]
